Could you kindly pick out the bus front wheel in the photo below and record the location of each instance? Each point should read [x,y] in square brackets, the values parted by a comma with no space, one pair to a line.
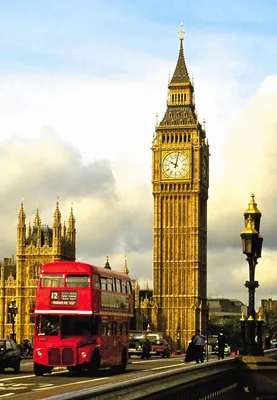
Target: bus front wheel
[94,365]
[39,369]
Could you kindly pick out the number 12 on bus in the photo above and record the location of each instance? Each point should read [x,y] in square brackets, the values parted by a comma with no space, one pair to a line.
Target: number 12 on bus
[82,316]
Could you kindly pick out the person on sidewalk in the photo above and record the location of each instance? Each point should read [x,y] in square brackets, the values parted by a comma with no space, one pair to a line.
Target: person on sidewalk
[199,343]
[221,339]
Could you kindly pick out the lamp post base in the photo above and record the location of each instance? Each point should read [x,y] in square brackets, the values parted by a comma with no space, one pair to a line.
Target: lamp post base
[259,375]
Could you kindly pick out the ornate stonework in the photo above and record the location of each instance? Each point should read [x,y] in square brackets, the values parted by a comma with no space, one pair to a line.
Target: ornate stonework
[180,180]
[37,245]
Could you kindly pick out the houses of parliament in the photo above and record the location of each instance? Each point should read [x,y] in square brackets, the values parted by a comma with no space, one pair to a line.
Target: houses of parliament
[180,181]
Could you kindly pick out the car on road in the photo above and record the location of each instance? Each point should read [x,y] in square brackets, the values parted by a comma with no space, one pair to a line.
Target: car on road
[160,348]
[227,350]
[10,355]
[135,348]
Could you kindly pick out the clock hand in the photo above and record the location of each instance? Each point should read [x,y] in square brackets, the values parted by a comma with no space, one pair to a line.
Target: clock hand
[176,164]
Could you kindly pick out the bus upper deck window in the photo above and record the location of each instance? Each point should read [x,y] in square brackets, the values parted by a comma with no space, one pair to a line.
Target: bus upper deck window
[129,287]
[96,281]
[118,285]
[53,280]
[124,286]
[77,281]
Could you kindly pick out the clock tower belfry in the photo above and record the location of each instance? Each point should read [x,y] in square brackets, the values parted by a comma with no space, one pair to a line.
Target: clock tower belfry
[180,181]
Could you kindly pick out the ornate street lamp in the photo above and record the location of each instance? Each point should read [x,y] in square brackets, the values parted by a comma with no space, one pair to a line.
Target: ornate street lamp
[178,339]
[13,310]
[251,240]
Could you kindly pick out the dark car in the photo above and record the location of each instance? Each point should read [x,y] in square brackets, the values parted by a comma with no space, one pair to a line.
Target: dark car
[10,355]
[135,348]
[160,348]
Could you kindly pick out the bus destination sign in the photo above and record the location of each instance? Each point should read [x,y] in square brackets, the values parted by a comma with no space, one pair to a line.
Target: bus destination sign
[62,298]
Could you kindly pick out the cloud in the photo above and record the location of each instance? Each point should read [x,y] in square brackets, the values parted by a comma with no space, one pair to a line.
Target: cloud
[249,166]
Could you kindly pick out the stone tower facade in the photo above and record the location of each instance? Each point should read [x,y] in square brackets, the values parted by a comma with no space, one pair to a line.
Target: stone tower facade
[180,180]
[36,245]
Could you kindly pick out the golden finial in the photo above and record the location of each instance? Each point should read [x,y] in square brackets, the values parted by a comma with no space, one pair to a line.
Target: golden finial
[242,318]
[126,271]
[252,206]
[260,318]
[181,31]
[107,265]
[147,286]
[250,226]
[157,119]
[250,318]
[137,287]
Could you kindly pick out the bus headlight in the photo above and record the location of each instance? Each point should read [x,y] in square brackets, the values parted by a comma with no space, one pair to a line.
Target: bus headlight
[84,354]
[39,353]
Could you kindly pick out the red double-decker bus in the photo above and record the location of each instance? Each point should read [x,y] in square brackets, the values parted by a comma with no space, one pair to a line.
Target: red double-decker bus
[82,318]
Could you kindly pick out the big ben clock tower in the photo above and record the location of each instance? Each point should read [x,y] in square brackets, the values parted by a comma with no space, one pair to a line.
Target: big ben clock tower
[180,181]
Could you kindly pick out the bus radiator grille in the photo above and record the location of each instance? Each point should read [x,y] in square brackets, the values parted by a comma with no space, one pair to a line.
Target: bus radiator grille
[67,356]
[54,356]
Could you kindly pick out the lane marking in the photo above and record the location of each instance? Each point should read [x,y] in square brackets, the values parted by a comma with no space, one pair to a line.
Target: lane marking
[71,384]
[7,394]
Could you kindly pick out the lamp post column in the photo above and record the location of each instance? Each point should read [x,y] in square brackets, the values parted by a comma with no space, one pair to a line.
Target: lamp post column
[251,329]
[13,312]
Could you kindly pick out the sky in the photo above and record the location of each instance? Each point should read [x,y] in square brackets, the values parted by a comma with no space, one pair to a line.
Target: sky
[80,85]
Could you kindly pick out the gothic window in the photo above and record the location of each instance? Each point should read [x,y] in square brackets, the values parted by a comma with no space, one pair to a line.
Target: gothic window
[31,313]
[182,97]
[179,98]
[163,138]
[36,270]
[172,98]
[188,121]
[189,138]
[172,122]
[176,139]
[170,115]
[181,122]
[185,138]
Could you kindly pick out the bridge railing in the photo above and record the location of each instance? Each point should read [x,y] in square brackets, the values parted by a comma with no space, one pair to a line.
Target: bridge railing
[218,380]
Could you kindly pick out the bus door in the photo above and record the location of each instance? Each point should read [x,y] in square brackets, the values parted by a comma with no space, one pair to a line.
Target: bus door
[107,348]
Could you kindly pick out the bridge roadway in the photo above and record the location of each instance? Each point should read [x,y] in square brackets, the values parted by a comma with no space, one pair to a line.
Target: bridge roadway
[26,385]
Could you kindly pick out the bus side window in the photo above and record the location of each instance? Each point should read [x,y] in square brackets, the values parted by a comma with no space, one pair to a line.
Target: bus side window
[118,285]
[104,328]
[114,330]
[103,283]
[123,328]
[110,329]
[96,281]
[110,284]
[124,286]
[118,329]
[129,287]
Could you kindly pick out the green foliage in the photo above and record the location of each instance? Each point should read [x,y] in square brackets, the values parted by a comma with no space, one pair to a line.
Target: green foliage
[231,328]
[270,322]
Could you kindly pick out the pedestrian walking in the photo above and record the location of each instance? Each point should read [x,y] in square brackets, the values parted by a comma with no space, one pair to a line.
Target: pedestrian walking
[221,339]
[146,349]
[199,343]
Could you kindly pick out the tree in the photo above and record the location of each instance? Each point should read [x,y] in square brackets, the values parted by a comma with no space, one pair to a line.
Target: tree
[270,322]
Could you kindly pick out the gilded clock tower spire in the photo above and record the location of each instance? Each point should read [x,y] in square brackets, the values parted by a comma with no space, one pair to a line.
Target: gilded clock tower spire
[180,165]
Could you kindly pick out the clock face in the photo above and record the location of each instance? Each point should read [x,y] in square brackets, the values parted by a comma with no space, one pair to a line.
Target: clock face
[176,164]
